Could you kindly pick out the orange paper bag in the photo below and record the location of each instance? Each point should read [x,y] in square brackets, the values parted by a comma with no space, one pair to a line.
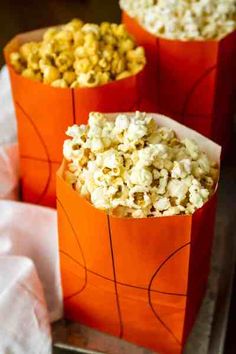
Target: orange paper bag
[140,279]
[194,81]
[44,113]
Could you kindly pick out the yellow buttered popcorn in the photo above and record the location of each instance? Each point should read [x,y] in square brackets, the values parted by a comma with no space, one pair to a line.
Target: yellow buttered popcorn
[130,167]
[80,55]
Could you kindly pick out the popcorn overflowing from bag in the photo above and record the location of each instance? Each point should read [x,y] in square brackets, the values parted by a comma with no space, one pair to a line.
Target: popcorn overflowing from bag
[80,55]
[131,167]
[184,19]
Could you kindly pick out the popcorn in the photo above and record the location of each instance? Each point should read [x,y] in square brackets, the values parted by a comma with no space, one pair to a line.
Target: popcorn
[184,19]
[59,83]
[31,74]
[138,197]
[136,131]
[114,166]
[141,176]
[177,189]
[69,77]
[181,168]
[50,74]
[80,55]
[99,198]
[121,123]
[112,159]
[162,204]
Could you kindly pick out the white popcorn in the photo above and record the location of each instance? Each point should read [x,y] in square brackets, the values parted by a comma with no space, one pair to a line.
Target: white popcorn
[161,189]
[166,133]
[76,130]
[198,195]
[150,153]
[181,168]
[122,123]
[162,204]
[95,119]
[191,148]
[136,132]
[130,167]
[67,149]
[100,199]
[203,163]
[138,197]
[182,19]
[172,211]
[112,159]
[190,209]
[155,173]
[177,189]
[99,178]
[97,145]
[138,213]
[141,176]
[84,191]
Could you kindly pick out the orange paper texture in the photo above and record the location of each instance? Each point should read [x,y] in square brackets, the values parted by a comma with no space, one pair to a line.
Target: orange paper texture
[140,279]
[194,81]
[44,113]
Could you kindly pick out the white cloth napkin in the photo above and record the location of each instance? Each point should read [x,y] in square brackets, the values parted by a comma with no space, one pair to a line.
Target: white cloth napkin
[29,271]
[9,171]
[31,231]
[24,320]
[7,113]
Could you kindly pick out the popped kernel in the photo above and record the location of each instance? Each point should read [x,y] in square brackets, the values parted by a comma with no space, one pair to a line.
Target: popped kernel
[17,62]
[162,204]
[64,61]
[117,169]
[50,74]
[31,74]
[61,83]
[69,77]
[80,55]
[123,75]
[141,176]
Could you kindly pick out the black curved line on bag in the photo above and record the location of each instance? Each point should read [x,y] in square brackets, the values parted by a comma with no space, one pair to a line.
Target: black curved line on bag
[81,251]
[193,89]
[114,275]
[149,291]
[118,282]
[45,150]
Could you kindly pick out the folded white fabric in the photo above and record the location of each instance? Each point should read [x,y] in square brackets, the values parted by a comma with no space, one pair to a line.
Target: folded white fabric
[9,171]
[7,113]
[31,231]
[24,322]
